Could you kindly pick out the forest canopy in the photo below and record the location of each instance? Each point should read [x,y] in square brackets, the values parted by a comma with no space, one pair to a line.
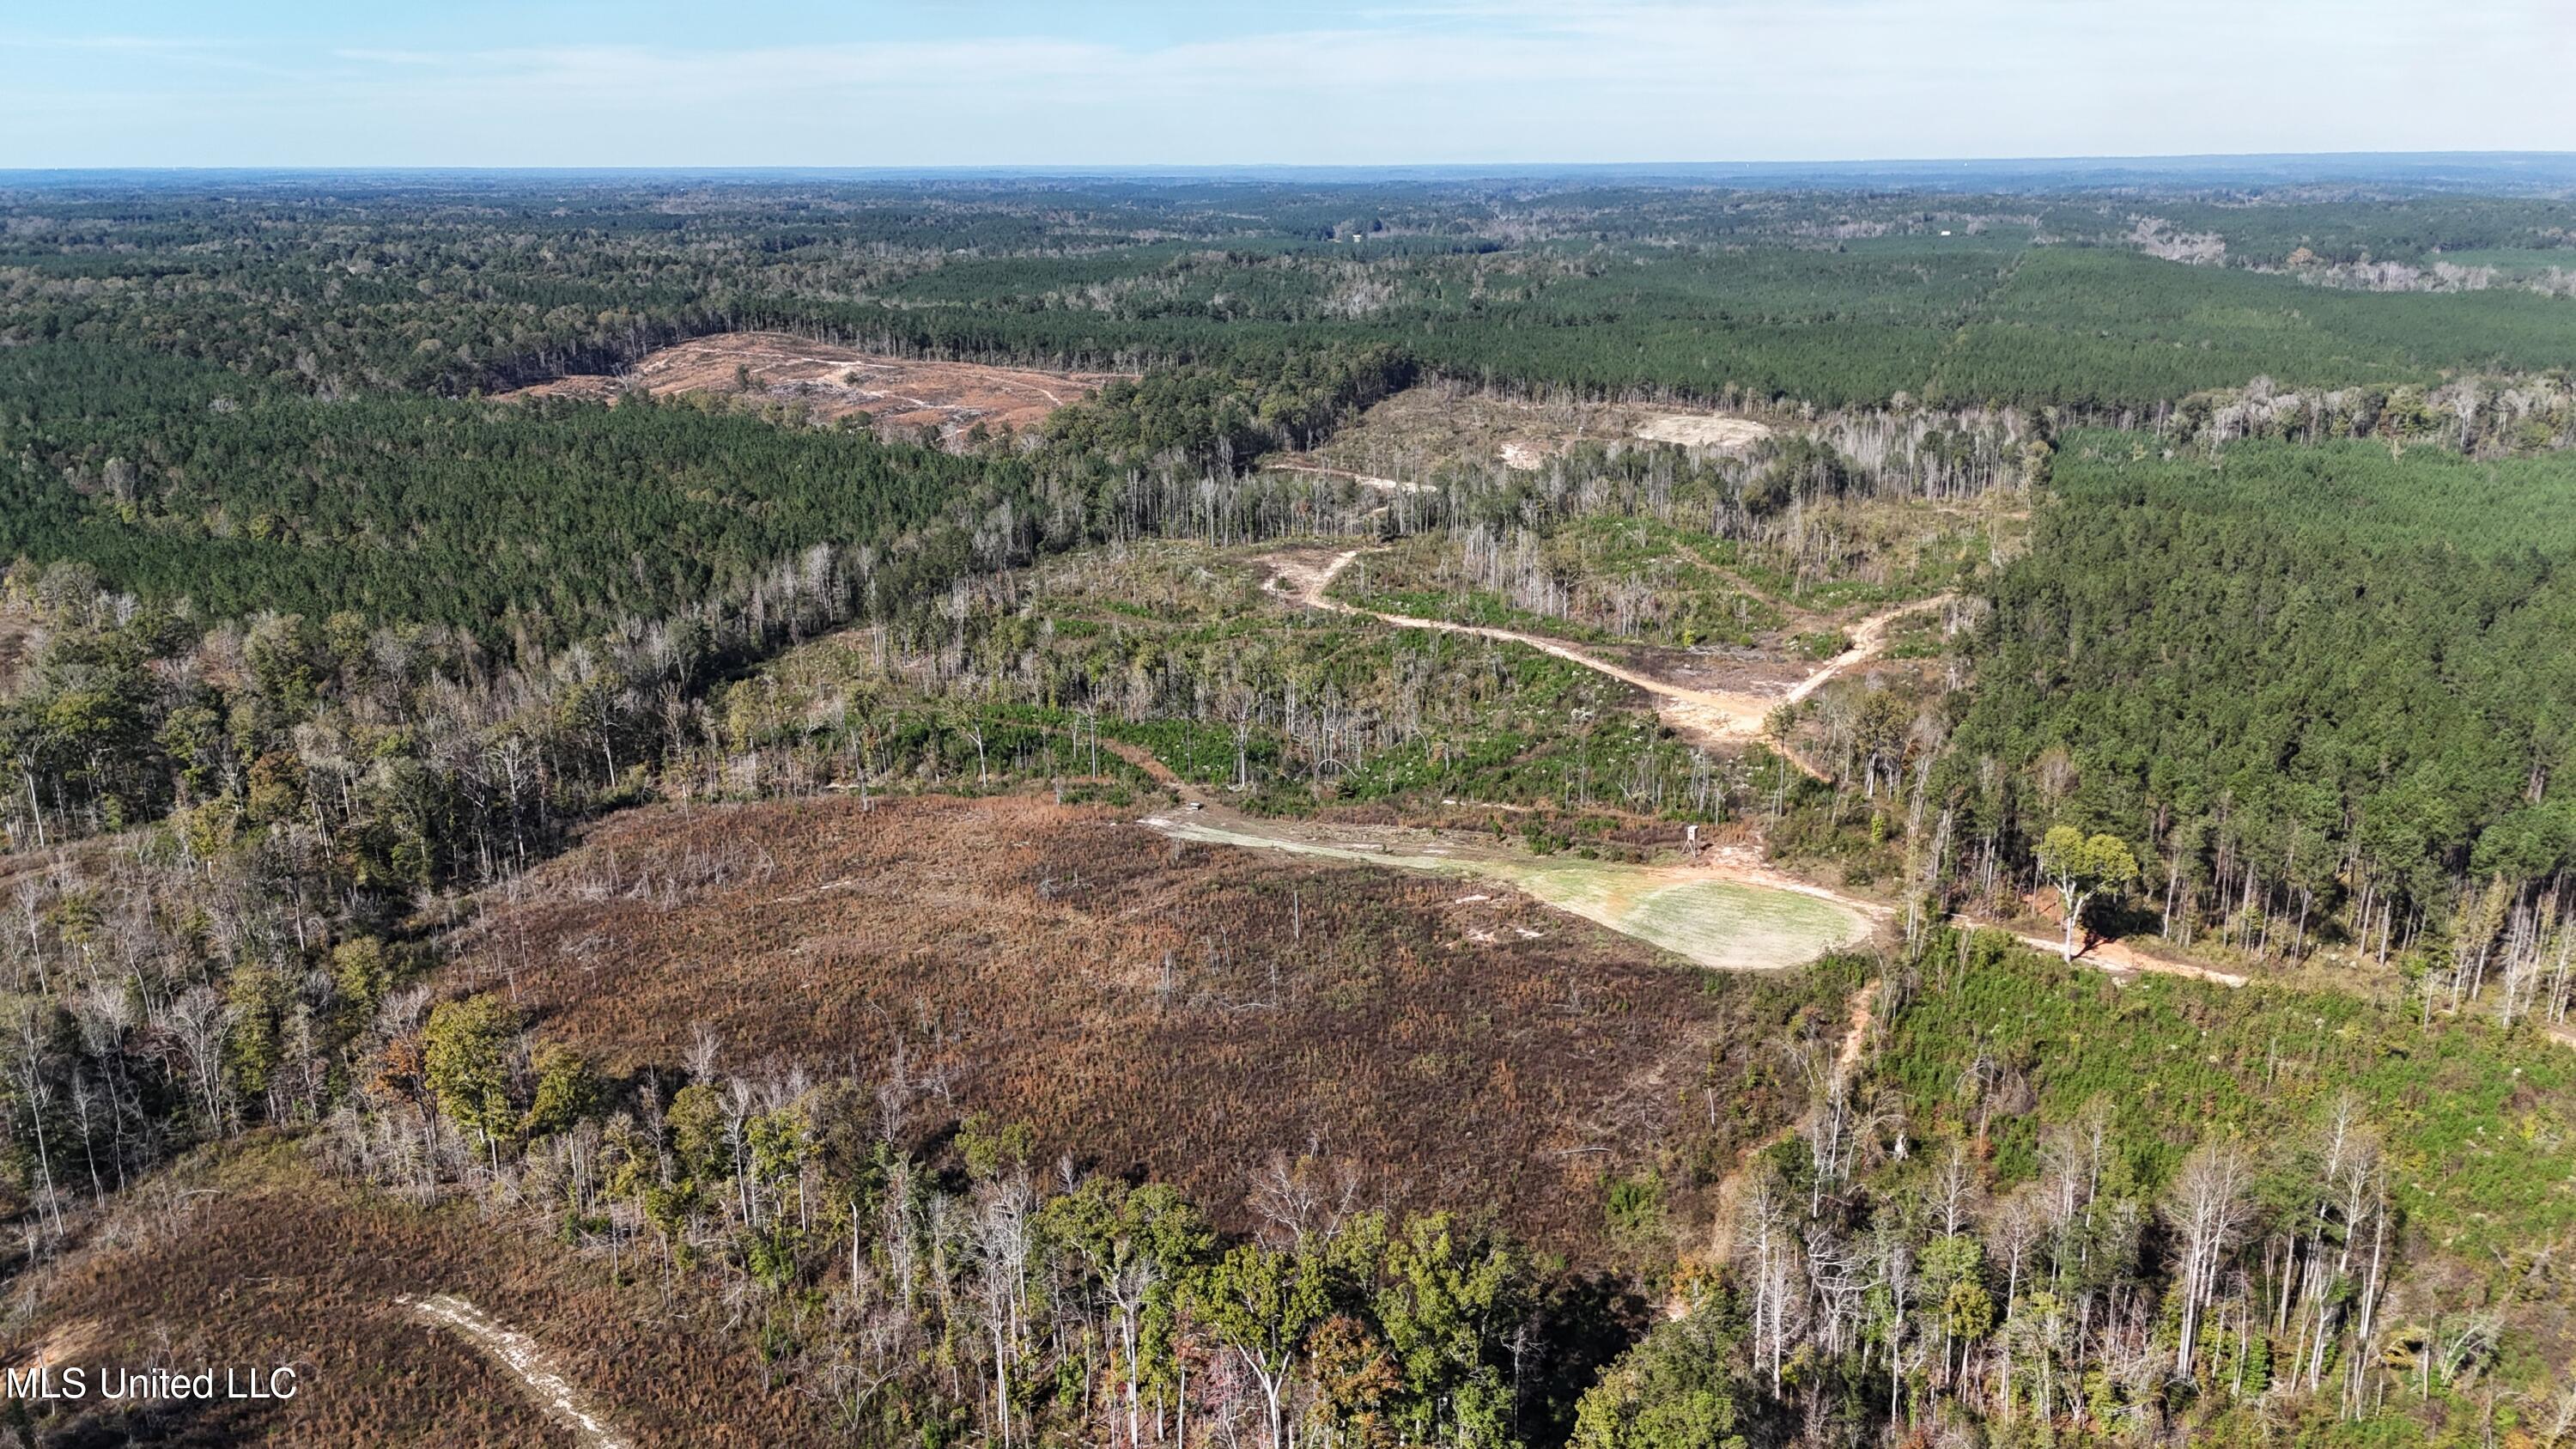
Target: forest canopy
[689,864]
[1829,297]
[2322,670]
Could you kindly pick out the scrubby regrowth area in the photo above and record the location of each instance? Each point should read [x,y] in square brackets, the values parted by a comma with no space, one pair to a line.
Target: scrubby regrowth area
[1208,814]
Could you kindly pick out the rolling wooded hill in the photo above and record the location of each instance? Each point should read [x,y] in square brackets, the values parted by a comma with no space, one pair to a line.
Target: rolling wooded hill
[636,900]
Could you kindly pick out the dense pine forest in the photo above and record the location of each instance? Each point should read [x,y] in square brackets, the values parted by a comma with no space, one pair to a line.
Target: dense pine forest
[666,864]
[2324,682]
[1829,298]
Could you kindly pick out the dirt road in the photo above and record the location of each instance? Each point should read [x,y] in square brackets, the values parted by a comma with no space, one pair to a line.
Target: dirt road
[520,1355]
[1708,716]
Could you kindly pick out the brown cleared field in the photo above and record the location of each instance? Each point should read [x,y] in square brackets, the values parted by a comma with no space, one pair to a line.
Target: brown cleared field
[259,1260]
[835,382]
[1153,1007]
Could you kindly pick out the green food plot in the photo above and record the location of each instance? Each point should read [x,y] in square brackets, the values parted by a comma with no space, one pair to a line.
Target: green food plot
[1725,925]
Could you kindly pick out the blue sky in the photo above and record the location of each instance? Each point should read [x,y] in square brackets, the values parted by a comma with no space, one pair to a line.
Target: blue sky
[1141,82]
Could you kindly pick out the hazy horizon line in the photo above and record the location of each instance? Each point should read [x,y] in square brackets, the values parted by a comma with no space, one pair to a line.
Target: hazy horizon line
[2164,160]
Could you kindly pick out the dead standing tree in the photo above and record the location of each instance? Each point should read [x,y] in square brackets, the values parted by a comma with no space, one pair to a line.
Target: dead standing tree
[2207,1207]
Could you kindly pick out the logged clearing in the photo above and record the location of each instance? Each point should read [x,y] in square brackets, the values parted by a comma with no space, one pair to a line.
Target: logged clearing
[1701,430]
[837,382]
[1421,430]
[1698,912]
[1149,1006]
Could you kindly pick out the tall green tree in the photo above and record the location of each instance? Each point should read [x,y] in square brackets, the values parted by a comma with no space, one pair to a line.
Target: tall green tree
[2081,868]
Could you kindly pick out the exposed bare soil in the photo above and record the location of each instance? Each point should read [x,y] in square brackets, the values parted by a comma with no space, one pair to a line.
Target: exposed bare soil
[1726,911]
[520,1354]
[1700,430]
[1422,429]
[836,382]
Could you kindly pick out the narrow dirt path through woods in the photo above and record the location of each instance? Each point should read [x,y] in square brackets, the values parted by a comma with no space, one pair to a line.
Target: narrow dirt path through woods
[519,1354]
[1860,1014]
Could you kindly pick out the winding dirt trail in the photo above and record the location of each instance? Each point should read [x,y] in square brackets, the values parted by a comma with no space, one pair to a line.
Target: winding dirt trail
[1707,716]
[1861,1019]
[519,1354]
[1861,1014]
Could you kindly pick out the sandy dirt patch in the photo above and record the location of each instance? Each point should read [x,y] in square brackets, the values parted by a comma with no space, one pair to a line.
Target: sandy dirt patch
[836,382]
[1700,430]
[1423,429]
[519,1354]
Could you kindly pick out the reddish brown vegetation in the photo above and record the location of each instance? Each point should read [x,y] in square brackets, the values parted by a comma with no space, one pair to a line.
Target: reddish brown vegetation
[1177,1011]
[261,1262]
[835,382]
